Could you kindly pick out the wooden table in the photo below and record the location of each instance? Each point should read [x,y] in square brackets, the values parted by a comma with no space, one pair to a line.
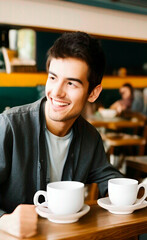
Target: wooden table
[95,225]
[129,120]
[139,163]
[116,122]
[136,167]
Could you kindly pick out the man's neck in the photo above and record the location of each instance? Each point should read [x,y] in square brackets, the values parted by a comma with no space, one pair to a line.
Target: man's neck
[58,128]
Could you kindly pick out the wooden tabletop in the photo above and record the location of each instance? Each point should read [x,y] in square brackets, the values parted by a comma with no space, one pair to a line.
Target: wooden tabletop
[138,162]
[115,123]
[95,225]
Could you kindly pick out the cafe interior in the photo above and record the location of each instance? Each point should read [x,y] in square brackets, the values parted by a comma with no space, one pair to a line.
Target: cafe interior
[27,29]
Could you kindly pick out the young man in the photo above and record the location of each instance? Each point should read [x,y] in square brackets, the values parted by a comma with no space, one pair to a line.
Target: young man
[48,140]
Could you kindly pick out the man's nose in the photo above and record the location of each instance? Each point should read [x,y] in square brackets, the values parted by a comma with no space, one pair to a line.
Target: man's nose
[59,90]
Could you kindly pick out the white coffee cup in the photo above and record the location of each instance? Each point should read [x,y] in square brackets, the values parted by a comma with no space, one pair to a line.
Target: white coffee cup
[124,191]
[62,198]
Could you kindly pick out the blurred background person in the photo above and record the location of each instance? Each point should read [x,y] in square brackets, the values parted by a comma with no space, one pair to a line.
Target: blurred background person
[131,99]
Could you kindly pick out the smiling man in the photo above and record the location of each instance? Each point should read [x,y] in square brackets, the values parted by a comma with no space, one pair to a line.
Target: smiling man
[49,140]
[67,92]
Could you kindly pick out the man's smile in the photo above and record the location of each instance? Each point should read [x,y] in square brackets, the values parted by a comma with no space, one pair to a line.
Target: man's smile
[59,103]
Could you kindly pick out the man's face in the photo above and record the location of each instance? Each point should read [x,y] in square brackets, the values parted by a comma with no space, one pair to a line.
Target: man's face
[66,89]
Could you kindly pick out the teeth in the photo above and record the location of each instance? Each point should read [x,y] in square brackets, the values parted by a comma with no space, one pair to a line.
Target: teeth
[59,103]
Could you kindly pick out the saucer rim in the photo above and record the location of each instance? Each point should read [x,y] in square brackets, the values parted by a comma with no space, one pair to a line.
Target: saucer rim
[121,209]
[63,218]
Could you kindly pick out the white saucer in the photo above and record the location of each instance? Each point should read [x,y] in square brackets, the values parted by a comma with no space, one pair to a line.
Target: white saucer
[46,213]
[105,203]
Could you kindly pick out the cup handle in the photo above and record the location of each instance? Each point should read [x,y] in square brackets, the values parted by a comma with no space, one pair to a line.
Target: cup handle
[140,200]
[36,196]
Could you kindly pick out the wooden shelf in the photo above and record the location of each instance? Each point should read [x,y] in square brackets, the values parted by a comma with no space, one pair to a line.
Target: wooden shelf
[22,79]
[35,79]
[116,82]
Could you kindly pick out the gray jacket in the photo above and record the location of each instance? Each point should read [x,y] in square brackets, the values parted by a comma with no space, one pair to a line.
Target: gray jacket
[23,158]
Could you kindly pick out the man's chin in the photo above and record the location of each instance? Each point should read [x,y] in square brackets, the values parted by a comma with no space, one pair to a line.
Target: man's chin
[63,118]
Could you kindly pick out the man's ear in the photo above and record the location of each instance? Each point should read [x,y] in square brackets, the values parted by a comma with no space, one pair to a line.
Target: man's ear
[95,93]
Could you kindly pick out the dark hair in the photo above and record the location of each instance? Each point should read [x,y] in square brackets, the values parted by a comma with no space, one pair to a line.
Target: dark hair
[128,85]
[82,46]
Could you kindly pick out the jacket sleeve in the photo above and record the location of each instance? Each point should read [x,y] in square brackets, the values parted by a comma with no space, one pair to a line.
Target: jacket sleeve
[5,154]
[101,170]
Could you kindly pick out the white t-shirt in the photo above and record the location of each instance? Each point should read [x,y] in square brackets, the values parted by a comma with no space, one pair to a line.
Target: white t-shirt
[58,150]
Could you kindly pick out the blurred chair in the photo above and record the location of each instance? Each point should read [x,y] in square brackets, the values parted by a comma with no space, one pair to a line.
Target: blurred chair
[91,193]
[136,167]
[139,163]
[145,100]
[138,101]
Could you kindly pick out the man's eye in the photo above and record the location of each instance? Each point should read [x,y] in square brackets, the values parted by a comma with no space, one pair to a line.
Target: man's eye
[51,77]
[71,84]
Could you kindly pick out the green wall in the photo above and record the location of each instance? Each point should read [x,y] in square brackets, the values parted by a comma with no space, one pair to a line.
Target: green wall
[131,55]
[14,96]
[126,6]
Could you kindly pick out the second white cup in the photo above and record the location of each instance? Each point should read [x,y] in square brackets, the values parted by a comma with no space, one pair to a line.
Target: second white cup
[63,198]
[124,191]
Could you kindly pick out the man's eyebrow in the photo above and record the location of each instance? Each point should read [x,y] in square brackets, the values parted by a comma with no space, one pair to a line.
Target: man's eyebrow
[52,73]
[75,80]
[70,79]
